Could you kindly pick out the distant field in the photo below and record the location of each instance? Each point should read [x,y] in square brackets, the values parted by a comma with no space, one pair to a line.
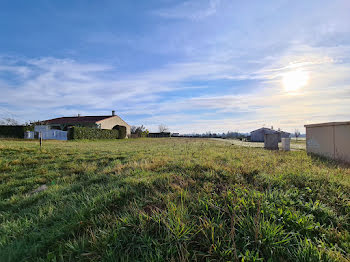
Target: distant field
[170,199]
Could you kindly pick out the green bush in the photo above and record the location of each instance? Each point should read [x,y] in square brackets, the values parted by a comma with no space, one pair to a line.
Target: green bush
[14,131]
[122,132]
[91,133]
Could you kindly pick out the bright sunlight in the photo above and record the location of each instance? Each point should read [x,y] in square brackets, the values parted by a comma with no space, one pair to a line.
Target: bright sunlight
[294,80]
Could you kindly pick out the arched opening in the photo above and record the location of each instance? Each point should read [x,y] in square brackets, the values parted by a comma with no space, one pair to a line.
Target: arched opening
[122,131]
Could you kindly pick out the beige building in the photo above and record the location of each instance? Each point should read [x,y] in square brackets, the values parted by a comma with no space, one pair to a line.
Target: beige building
[103,122]
[329,139]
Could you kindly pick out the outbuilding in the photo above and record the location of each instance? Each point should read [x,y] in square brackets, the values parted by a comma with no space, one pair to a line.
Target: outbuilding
[331,140]
[259,134]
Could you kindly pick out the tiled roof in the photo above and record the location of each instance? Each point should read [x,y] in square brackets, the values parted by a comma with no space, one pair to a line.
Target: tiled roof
[76,119]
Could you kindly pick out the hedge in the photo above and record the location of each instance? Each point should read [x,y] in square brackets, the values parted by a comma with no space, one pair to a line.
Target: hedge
[14,131]
[122,132]
[91,133]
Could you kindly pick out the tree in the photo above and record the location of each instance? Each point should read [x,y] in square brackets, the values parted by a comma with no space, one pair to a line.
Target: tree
[133,129]
[140,131]
[137,129]
[296,134]
[8,122]
[163,128]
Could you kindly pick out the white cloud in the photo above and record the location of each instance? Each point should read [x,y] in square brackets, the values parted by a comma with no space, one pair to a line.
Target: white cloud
[325,98]
[51,87]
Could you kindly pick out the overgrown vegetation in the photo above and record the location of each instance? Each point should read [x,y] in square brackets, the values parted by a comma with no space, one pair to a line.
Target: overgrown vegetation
[121,132]
[170,200]
[93,133]
[139,131]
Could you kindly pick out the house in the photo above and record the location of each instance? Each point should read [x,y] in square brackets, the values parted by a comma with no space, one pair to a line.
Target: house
[331,140]
[258,135]
[102,122]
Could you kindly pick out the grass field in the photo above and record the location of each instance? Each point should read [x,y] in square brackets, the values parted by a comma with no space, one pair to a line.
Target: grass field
[299,144]
[170,200]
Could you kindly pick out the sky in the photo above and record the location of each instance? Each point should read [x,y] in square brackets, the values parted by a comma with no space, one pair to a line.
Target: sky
[194,66]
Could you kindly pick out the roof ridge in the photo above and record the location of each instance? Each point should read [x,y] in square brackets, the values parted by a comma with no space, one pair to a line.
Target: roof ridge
[73,119]
[86,116]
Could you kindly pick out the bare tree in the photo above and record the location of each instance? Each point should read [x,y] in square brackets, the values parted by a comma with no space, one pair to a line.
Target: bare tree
[296,134]
[163,128]
[139,130]
[8,122]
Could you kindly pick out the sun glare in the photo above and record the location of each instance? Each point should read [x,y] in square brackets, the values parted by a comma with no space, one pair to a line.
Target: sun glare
[294,80]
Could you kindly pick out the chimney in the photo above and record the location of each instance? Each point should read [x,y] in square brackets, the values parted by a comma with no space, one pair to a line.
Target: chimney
[113,113]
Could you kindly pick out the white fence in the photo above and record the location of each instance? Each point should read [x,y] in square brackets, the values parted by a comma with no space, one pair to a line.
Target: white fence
[54,134]
[46,133]
[29,135]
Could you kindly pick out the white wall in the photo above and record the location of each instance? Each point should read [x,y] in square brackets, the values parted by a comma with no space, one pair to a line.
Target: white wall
[329,139]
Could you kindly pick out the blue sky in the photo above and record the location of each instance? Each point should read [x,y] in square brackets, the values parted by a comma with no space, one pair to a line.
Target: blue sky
[195,66]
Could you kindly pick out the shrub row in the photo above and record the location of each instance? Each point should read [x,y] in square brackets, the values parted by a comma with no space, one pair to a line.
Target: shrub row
[14,131]
[91,133]
[122,132]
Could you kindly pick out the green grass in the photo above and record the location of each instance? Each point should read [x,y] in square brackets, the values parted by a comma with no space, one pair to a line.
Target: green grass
[299,144]
[170,200]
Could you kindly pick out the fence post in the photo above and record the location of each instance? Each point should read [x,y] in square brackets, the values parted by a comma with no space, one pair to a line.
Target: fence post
[41,139]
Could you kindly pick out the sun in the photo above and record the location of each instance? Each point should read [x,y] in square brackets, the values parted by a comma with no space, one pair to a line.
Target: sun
[294,80]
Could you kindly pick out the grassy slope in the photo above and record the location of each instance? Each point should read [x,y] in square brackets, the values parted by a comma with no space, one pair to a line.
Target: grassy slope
[170,200]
